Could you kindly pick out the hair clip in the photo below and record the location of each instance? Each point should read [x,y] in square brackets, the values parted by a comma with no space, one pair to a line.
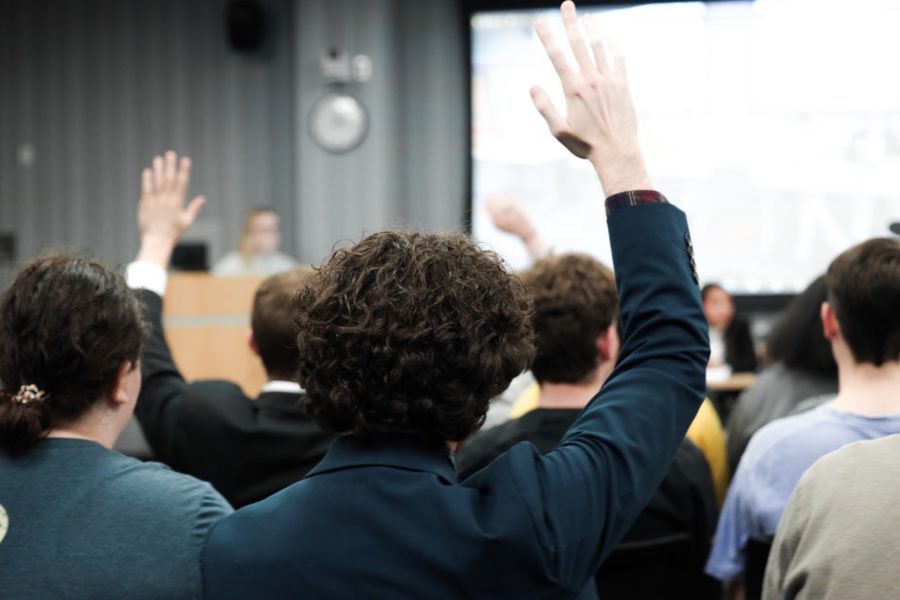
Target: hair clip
[28,394]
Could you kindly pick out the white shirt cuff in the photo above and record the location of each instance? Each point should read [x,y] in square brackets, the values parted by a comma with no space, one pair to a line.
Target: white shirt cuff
[145,275]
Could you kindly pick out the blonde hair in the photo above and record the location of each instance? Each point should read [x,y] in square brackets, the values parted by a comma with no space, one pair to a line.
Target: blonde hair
[244,248]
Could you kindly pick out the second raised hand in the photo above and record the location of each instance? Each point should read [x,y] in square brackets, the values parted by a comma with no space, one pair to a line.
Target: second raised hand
[600,124]
[163,216]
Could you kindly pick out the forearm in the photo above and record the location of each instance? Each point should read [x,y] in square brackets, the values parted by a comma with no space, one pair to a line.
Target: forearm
[620,447]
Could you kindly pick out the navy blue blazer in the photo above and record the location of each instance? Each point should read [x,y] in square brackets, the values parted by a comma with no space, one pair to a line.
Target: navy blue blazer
[386,517]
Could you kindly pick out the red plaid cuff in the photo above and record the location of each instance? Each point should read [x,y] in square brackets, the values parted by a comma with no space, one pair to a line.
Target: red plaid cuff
[633,198]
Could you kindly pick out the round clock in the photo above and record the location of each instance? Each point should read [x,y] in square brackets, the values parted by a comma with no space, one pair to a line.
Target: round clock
[338,122]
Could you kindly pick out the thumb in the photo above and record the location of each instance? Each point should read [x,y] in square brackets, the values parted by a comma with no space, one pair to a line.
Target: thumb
[193,209]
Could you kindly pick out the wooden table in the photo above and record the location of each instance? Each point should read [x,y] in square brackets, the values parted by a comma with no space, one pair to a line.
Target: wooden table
[737,382]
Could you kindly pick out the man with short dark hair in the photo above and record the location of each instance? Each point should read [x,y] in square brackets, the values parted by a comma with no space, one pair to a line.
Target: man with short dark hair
[247,448]
[862,321]
[577,343]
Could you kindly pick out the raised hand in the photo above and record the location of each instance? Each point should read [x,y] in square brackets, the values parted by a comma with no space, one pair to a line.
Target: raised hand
[507,215]
[162,215]
[600,122]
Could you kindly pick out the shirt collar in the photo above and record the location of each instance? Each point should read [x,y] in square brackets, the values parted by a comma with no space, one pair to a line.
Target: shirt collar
[277,385]
[405,451]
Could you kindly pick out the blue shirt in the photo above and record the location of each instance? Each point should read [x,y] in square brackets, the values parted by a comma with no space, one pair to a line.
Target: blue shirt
[776,458]
[87,522]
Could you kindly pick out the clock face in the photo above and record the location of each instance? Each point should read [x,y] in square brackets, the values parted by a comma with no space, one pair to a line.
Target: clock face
[338,122]
[4,523]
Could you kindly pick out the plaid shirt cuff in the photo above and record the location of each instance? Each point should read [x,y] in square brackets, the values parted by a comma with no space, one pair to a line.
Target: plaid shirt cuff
[633,198]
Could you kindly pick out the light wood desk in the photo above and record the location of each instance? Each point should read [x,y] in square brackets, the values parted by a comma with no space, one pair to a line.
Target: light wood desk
[736,382]
[207,324]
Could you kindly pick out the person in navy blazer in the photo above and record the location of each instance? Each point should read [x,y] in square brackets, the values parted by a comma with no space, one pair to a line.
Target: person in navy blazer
[383,515]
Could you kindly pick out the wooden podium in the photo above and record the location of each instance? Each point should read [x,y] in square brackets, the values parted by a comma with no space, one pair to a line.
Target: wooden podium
[207,325]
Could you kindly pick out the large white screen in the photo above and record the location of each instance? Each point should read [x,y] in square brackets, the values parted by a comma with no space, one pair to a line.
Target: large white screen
[775,125]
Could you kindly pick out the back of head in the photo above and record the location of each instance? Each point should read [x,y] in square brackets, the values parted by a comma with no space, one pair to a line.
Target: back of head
[67,325]
[408,332]
[273,322]
[575,302]
[797,340]
[864,292]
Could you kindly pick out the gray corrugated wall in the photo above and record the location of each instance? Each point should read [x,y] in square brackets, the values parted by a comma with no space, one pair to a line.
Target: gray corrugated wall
[97,86]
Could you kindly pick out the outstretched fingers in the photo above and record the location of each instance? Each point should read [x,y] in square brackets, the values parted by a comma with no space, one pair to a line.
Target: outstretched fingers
[554,52]
[183,178]
[544,105]
[576,39]
[595,35]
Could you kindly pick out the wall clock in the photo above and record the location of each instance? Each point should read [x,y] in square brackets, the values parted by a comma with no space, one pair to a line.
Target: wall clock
[338,122]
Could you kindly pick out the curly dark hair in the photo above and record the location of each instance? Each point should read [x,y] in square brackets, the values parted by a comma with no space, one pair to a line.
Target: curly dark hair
[575,302]
[67,325]
[864,291]
[409,332]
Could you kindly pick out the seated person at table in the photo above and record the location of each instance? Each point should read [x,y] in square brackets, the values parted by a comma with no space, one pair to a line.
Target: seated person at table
[247,448]
[730,342]
[78,520]
[258,250]
[860,320]
[404,338]
[575,304]
[802,367]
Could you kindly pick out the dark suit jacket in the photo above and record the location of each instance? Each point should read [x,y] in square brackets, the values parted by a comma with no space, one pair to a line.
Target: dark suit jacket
[248,449]
[683,505]
[385,516]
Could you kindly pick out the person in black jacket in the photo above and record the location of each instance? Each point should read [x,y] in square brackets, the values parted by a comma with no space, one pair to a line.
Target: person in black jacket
[729,335]
[577,343]
[247,448]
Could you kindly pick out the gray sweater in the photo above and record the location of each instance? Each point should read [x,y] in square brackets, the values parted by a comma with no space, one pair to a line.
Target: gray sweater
[840,535]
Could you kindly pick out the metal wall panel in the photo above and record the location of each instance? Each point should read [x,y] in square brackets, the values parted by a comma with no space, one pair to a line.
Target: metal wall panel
[96,87]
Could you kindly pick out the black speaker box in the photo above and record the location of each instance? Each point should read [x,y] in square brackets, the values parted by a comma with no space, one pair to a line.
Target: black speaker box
[246,24]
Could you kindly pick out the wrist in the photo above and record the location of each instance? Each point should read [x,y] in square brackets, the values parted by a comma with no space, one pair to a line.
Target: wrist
[623,173]
[156,249]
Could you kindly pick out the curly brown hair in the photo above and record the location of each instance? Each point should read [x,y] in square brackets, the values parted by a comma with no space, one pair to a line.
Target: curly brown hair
[67,325]
[575,302]
[409,332]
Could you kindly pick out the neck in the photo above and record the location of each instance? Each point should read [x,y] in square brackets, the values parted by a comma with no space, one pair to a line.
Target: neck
[572,395]
[868,390]
[97,426]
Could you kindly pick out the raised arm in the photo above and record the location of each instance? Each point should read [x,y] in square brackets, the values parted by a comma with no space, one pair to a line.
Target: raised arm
[591,488]
[162,220]
[508,215]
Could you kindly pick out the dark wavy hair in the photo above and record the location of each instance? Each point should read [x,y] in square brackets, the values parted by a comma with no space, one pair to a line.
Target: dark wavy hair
[575,302]
[67,325]
[864,291]
[409,332]
[797,339]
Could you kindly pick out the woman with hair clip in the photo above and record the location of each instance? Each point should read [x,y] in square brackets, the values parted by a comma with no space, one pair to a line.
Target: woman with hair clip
[78,520]
[801,367]
[258,249]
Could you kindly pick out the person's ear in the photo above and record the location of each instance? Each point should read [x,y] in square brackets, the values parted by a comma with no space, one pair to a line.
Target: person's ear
[124,390]
[608,344]
[830,326]
[251,342]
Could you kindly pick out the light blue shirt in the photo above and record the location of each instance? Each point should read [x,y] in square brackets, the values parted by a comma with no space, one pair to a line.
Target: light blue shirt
[776,458]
